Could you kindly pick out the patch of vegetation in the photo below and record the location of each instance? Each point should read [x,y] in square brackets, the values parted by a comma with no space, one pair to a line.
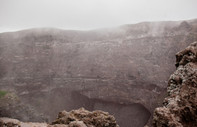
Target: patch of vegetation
[2,93]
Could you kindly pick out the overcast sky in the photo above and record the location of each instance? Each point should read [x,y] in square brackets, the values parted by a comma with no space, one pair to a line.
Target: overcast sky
[90,14]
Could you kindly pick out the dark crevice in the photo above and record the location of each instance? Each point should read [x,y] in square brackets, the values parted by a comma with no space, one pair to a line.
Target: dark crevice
[127,115]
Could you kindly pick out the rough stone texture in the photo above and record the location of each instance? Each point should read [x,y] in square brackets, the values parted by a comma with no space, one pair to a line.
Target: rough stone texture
[74,118]
[7,122]
[180,107]
[84,118]
[122,70]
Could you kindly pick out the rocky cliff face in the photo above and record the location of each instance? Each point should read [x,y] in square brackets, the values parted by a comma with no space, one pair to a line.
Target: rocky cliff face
[122,70]
[180,106]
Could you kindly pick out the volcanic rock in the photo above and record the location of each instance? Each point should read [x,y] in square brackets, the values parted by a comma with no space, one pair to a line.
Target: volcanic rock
[74,118]
[84,118]
[180,106]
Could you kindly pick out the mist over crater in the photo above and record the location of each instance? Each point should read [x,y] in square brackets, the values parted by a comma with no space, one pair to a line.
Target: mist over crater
[123,70]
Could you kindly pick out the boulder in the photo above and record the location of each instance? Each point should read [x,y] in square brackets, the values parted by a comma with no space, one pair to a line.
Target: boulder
[85,118]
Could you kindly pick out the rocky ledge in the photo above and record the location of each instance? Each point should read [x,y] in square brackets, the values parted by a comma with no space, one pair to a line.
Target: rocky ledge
[74,118]
[180,106]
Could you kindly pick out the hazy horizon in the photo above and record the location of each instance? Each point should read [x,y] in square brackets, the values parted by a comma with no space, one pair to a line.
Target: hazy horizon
[90,14]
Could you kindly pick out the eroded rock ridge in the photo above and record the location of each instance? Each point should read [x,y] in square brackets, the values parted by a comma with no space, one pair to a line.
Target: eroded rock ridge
[180,106]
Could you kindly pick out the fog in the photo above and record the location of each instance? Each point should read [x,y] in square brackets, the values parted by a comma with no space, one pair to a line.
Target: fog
[90,14]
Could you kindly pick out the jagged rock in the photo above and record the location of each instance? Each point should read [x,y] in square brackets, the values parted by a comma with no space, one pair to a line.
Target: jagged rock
[84,118]
[74,118]
[180,107]
[187,55]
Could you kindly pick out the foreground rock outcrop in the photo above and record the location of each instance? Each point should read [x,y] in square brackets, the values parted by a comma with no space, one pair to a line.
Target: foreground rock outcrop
[86,118]
[180,107]
[74,118]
